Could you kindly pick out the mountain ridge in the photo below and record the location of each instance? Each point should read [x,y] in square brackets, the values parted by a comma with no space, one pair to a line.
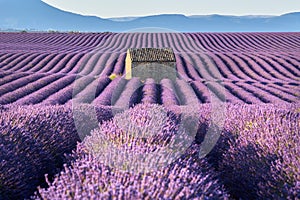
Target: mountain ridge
[39,16]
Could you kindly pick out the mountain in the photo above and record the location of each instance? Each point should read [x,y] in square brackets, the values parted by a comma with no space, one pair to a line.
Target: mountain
[37,15]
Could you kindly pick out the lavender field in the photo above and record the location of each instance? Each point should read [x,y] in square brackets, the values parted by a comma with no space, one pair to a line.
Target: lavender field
[71,126]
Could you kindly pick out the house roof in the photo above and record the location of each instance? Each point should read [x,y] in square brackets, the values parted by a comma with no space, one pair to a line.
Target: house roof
[152,55]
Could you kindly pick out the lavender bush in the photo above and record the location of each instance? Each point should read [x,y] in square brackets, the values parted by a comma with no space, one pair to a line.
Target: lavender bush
[33,141]
[88,178]
[258,151]
[102,171]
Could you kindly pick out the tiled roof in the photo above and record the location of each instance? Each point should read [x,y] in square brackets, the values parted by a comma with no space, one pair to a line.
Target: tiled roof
[152,55]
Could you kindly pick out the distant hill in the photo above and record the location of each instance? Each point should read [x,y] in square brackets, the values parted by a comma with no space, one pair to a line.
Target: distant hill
[37,15]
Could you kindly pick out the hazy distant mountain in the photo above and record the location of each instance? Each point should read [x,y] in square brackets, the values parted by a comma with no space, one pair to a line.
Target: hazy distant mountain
[123,19]
[37,15]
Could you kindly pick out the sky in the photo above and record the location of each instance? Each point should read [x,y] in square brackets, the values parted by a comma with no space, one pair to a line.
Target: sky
[126,8]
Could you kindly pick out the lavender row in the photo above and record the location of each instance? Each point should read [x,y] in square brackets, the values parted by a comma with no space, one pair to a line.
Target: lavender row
[253,163]
[110,93]
[92,90]
[246,42]
[39,95]
[13,96]
[94,176]
[33,142]
[257,153]
[193,63]
[60,89]
[50,42]
[204,42]
[151,92]
[130,95]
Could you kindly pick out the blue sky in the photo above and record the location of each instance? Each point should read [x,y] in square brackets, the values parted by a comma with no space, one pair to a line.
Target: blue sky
[122,8]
